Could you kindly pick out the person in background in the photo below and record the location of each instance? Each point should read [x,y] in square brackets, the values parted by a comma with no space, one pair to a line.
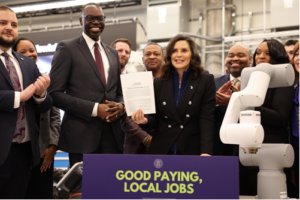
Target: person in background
[289,47]
[185,103]
[138,139]
[237,59]
[41,177]
[123,47]
[153,58]
[275,111]
[23,94]
[295,119]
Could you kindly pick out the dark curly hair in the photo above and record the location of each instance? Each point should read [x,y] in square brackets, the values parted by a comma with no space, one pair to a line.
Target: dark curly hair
[195,64]
[277,52]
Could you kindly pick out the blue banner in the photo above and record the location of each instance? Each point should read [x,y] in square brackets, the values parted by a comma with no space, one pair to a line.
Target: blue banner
[159,176]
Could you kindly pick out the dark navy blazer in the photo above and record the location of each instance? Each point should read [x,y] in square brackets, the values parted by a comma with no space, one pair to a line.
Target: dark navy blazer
[8,115]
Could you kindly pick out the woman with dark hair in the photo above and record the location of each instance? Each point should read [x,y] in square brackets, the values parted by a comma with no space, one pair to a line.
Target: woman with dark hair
[295,116]
[270,51]
[275,111]
[41,178]
[26,47]
[185,103]
[277,106]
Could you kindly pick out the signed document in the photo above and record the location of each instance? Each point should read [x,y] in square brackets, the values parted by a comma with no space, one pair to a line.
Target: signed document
[138,92]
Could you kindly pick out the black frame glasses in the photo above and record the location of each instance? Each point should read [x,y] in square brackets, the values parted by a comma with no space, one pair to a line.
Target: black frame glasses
[91,18]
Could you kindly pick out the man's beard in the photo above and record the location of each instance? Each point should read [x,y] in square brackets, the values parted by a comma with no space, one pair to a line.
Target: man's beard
[123,64]
[7,44]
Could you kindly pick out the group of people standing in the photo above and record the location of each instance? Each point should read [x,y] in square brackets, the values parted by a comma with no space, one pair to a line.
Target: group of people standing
[85,83]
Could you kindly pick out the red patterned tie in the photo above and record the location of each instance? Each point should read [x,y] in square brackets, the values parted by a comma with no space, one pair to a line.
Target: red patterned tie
[20,127]
[99,63]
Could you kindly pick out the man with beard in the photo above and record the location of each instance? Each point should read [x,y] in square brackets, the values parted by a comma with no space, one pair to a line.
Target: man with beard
[153,58]
[86,84]
[123,47]
[237,59]
[22,94]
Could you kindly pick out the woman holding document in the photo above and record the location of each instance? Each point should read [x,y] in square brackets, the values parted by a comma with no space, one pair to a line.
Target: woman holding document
[185,103]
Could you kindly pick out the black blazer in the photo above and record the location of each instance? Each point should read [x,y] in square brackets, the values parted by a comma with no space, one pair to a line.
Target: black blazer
[219,147]
[275,113]
[8,115]
[76,85]
[190,125]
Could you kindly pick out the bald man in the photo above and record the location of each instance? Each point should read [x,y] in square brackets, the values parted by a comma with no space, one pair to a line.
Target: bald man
[237,59]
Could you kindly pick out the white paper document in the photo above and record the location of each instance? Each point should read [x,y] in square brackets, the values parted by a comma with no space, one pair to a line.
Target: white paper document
[138,92]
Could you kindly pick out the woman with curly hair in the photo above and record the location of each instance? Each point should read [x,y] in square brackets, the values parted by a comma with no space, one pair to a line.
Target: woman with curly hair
[185,103]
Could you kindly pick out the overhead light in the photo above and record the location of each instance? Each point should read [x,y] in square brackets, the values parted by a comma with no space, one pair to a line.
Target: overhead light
[47,6]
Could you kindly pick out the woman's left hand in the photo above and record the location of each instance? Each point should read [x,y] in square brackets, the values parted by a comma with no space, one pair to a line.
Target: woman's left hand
[205,154]
[48,155]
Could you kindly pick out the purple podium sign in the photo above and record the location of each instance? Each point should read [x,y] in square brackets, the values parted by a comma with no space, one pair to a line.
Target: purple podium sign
[159,176]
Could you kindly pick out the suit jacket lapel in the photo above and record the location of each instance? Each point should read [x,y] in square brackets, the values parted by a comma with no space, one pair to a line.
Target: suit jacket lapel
[168,91]
[226,78]
[23,70]
[3,70]
[188,93]
[83,47]
[111,68]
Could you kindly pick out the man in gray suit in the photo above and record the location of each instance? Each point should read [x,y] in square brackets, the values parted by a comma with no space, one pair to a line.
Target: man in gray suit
[86,85]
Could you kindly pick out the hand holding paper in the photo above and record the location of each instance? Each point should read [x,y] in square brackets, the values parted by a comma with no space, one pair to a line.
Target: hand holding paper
[138,117]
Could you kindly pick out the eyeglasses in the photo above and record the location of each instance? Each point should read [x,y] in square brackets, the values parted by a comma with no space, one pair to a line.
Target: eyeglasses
[91,18]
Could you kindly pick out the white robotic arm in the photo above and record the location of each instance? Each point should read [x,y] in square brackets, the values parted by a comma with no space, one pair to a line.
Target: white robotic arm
[249,133]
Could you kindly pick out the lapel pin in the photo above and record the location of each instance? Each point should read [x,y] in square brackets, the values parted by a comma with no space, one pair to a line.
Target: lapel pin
[191,87]
[22,58]
[108,50]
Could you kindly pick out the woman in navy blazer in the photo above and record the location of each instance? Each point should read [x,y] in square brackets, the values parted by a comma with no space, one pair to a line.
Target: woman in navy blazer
[185,103]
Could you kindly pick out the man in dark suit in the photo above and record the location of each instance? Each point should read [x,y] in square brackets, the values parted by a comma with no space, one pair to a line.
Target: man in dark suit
[153,58]
[22,95]
[85,74]
[237,59]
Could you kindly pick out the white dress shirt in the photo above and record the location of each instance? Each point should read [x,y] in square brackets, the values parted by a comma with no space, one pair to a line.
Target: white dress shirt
[90,42]
[17,93]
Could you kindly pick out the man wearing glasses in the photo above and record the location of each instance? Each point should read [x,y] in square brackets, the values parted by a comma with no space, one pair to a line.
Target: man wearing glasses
[86,85]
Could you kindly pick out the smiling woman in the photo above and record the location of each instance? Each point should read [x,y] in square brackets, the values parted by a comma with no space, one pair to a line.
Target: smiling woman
[26,47]
[275,110]
[185,103]
[278,102]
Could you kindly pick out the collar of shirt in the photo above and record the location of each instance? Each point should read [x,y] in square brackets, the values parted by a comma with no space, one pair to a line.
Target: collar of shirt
[9,52]
[232,77]
[90,42]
